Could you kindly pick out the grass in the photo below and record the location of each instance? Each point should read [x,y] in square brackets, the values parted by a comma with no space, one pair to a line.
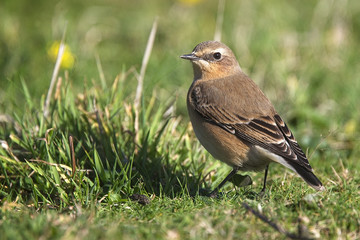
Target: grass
[74,173]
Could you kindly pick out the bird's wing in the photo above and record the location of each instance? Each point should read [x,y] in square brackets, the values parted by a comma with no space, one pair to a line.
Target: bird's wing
[268,132]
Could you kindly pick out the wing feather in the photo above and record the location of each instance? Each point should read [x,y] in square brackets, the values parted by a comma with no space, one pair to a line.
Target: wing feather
[268,132]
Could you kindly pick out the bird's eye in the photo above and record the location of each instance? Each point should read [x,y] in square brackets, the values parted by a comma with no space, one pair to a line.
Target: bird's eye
[217,55]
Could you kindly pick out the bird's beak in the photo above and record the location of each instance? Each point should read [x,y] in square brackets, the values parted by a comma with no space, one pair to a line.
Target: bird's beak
[191,57]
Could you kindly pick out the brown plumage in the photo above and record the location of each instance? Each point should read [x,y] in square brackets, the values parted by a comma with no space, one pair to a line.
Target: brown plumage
[234,120]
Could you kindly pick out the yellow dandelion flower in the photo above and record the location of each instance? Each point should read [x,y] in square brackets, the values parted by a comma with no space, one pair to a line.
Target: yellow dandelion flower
[189,2]
[68,58]
[350,127]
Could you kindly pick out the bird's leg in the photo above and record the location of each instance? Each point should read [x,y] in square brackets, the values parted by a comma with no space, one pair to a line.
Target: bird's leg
[215,191]
[264,187]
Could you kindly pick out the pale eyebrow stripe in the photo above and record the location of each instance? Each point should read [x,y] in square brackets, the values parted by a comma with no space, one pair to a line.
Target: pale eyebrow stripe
[220,50]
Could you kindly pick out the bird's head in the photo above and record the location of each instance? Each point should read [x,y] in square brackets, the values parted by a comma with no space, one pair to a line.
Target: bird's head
[212,60]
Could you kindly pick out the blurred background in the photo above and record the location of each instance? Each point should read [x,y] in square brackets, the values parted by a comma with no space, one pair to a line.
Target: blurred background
[304,55]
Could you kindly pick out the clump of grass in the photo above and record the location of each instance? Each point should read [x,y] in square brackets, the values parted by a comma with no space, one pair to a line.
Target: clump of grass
[110,163]
[96,146]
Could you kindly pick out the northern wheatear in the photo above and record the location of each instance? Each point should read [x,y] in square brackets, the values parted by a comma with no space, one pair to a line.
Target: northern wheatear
[234,120]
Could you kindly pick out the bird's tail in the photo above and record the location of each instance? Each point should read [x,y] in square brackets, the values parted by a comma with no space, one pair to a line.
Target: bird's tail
[309,177]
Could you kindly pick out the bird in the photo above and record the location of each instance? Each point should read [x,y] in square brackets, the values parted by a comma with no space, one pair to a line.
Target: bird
[234,120]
